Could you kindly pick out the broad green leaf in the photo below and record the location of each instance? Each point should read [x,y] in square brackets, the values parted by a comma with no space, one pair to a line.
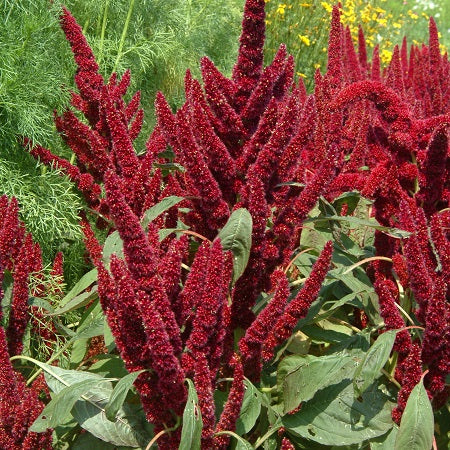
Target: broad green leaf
[250,409]
[385,442]
[236,236]
[61,404]
[119,394]
[417,424]
[89,410]
[300,377]
[40,303]
[78,352]
[87,441]
[191,432]
[85,281]
[241,443]
[334,417]
[350,198]
[77,302]
[371,223]
[113,244]
[93,328]
[165,204]
[373,362]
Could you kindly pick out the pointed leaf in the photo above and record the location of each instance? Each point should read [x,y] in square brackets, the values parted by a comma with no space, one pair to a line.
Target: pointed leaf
[334,417]
[192,421]
[77,302]
[236,236]
[300,377]
[119,394]
[113,245]
[61,404]
[373,362]
[250,409]
[89,410]
[85,281]
[165,204]
[417,424]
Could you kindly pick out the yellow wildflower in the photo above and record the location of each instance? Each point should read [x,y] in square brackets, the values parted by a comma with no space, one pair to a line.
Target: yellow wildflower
[281,8]
[327,6]
[385,56]
[300,74]
[396,25]
[304,39]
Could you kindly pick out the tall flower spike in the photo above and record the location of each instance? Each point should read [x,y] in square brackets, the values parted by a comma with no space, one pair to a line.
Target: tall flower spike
[334,66]
[207,320]
[19,315]
[211,200]
[250,345]
[248,68]
[232,408]
[263,91]
[298,308]
[390,313]
[138,252]
[204,388]
[88,80]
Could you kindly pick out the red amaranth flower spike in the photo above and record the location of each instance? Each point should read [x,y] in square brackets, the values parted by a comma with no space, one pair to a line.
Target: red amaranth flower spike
[232,408]
[410,368]
[140,256]
[88,80]
[334,66]
[19,315]
[393,320]
[263,91]
[250,345]
[248,68]
[212,202]
[203,386]
[299,306]
[207,321]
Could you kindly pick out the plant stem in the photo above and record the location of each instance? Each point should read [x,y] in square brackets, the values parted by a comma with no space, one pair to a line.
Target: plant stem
[102,33]
[124,34]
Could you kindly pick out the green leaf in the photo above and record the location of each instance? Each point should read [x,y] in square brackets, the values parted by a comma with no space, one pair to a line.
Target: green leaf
[76,302]
[351,199]
[334,417]
[385,442]
[371,223]
[250,409]
[236,236]
[191,432]
[113,244]
[241,443]
[119,394]
[300,377]
[373,362]
[89,411]
[417,424]
[165,204]
[40,303]
[85,281]
[61,404]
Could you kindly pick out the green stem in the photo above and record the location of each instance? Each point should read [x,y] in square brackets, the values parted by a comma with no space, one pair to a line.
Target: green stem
[102,33]
[52,358]
[267,436]
[124,34]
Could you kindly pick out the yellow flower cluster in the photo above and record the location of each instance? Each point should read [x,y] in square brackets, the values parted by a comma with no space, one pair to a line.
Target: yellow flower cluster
[304,25]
